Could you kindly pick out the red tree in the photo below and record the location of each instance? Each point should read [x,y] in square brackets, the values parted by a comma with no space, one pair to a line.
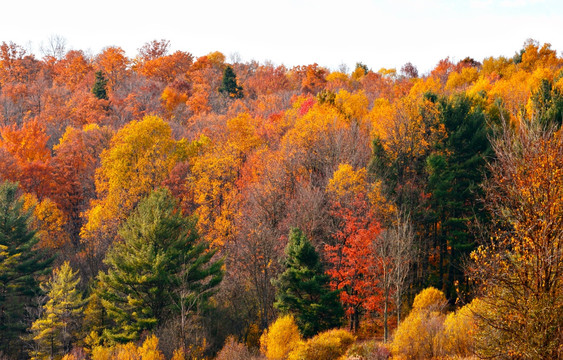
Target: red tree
[354,268]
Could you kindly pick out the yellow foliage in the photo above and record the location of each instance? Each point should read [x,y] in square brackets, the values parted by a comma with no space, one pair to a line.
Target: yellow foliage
[500,66]
[462,79]
[280,338]
[347,182]
[216,58]
[353,105]
[242,133]
[329,345]
[458,335]
[336,76]
[147,351]
[140,157]
[417,335]
[429,299]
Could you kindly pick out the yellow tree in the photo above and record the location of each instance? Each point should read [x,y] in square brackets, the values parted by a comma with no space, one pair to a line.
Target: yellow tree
[139,158]
[520,269]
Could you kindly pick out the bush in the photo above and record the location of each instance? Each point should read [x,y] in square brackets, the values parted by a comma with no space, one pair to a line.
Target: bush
[417,337]
[369,350]
[458,335]
[148,351]
[233,350]
[280,338]
[328,345]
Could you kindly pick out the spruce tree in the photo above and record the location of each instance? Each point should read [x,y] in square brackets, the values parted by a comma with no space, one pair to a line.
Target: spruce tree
[100,86]
[303,288]
[229,85]
[55,330]
[22,265]
[160,264]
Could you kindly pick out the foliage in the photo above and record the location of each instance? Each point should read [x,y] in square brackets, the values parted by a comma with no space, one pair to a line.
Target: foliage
[418,334]
[233,350]
[56,329]
[303,288]
[328,345]
[280,338]
[100,86]
[22,265]
[161,267]
[229,85]
[519,269]
[147,351]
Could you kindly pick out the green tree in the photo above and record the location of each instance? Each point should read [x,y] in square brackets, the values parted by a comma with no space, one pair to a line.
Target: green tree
[547,103]
[160,266]
[456,171]
[100,86]
[22,265]
[303,288]
[229,85]
[55,331]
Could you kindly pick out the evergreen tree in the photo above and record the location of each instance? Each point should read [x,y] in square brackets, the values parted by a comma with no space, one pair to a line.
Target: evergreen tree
[229,85]
[22,264]
[456,171]
[303,288]
[55,330]
[100,86]
[160,264]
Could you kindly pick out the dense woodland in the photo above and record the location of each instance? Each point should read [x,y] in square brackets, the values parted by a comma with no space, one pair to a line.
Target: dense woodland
[168,206]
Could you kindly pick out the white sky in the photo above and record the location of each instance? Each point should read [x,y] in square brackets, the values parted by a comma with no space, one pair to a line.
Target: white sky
[379,33]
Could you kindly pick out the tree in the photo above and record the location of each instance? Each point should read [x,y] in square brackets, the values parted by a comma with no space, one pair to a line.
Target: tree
[456,170]
[354,269]
[304,288]
[160,262]
[100,89]
[229,85]
[519,267]
[18,282]
[54,332]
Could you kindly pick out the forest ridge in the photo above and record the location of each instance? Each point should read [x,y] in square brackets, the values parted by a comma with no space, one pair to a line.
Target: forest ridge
[167,206]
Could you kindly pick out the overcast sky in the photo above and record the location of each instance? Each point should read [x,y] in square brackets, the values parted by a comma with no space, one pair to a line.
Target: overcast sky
[379,33]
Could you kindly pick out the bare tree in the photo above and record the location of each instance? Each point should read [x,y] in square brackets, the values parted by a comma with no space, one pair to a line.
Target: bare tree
[55,47]
[395,253]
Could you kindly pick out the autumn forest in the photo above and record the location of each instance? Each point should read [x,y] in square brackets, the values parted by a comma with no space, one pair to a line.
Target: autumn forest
[168,206]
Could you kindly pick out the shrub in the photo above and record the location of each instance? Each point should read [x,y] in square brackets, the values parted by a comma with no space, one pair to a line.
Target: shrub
[369,350]
[328,345]
[233,350]
[458,335]
[280,338]
[417,337]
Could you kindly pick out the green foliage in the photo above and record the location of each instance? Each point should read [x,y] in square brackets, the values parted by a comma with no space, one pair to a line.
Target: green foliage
[548,104]
[55,331]
[100,86]
[229,85]
[159,268]
[303,288]
[456,170]
[329,345]
[21,265]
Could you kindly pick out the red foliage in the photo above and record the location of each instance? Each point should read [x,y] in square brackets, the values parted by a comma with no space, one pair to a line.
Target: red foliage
[354,265]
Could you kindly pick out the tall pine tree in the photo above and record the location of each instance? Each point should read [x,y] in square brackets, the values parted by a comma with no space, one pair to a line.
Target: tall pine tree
[303,288]
[160,265]
[22,265]
[100,86]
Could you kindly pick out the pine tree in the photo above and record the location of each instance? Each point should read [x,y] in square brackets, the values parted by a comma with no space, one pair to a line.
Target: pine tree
[456,170]
[100,86]
[54,331]
[160,263]
[229,85]
[303,288]
[22,265]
